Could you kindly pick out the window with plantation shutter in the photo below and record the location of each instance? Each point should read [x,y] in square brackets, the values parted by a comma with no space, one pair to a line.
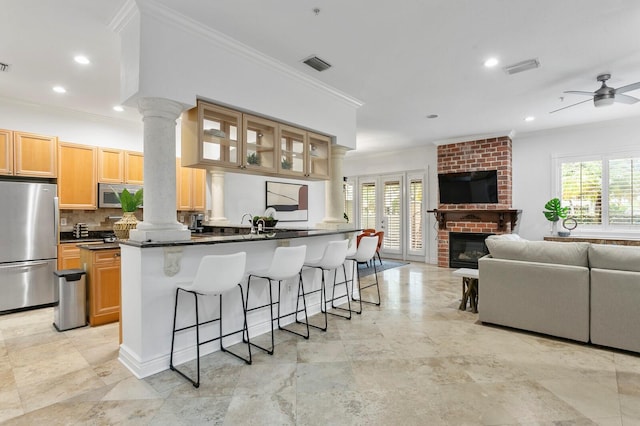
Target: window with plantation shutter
[602,192]
[624,191]
[368,205]
[415,214]
[348,201]
[392,211]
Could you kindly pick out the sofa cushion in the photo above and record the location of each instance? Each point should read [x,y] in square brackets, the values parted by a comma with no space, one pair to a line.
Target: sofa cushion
[569,253]
[510,237]
[622,258]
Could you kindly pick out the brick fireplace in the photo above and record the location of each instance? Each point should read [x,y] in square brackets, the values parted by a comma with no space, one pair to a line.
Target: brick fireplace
[494,218]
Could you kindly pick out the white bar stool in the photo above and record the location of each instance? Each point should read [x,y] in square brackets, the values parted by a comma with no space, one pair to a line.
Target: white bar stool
[286,263]
[365,252]
[217,274]
[334,256]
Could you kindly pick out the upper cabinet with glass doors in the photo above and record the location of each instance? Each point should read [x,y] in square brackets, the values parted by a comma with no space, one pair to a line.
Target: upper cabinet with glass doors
[223,138]
[211,136]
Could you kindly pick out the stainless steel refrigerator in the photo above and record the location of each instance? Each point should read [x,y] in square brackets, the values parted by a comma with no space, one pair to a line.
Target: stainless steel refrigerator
[28,244]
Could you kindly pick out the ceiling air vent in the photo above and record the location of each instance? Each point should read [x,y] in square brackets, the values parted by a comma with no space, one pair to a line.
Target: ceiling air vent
[527,65]
[317,63]
[4,67]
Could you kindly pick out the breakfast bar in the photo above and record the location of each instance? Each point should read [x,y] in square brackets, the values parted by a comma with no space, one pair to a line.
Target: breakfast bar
[151,271]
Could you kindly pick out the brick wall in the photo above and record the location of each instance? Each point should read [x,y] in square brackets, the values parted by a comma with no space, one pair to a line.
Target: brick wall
[470,156]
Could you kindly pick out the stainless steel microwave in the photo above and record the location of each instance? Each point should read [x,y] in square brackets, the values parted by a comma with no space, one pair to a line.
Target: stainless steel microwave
[107,197]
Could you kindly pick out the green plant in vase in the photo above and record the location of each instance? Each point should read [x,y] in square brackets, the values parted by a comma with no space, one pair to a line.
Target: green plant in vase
[554,212]
[129,203]
[285,164]
[253,159]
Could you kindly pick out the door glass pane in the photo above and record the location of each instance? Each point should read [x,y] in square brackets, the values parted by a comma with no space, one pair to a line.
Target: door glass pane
[392,213]
[368,205]
[220,136]
[348,201]
[415,214]
[292,151]
[260,142]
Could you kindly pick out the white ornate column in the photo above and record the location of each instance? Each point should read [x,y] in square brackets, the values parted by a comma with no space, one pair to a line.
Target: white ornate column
[217,199]
[334,196]
[160,223]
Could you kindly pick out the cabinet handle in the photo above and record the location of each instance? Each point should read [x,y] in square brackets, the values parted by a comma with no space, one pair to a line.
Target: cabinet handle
[116,255]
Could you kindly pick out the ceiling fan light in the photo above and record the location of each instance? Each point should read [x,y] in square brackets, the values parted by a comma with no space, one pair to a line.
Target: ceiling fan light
[605,101]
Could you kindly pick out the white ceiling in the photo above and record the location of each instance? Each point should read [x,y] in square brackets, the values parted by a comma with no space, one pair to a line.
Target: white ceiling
[404,59]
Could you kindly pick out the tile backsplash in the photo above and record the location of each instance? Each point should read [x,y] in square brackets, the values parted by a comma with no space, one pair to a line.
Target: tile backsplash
[96,220]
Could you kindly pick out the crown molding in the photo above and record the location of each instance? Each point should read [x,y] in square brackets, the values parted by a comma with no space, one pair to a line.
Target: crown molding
[123,16]
[184,23]
[476,137]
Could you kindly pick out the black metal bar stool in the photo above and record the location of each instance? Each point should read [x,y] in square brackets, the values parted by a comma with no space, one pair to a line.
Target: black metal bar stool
[334,256]
[286,263]
[216,275]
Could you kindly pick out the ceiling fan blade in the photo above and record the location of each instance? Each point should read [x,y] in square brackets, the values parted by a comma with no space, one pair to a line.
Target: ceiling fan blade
[578,92]
[569,106]
[625,99]
[628,87]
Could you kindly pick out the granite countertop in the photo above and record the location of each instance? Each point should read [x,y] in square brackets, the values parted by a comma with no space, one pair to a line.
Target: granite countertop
[67,237]
[103,246]
[210,238]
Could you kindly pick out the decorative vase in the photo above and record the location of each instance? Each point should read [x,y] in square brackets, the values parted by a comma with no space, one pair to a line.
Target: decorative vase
[122,227]
[554,228]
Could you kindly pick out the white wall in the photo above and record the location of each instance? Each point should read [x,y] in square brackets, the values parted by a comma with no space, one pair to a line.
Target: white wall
[532,164]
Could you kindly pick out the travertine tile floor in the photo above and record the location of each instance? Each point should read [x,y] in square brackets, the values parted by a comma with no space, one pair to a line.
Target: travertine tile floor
[415,360]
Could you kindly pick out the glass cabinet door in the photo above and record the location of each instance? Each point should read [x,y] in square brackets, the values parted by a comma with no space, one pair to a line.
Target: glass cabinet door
[260,144]
[220,136]
[319,156]
[293,149]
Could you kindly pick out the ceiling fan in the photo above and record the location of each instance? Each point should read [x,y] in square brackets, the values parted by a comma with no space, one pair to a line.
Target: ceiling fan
[606,95]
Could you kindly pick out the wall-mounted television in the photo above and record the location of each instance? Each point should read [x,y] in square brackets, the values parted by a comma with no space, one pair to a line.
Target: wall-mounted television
[468,187]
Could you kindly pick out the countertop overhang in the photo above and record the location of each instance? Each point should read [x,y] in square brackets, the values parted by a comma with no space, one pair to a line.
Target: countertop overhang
[206,238]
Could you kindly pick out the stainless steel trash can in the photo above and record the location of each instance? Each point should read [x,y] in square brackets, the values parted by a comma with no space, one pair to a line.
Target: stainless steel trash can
[70,293]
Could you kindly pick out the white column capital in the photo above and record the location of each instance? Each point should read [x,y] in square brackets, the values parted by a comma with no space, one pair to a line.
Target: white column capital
[160,107]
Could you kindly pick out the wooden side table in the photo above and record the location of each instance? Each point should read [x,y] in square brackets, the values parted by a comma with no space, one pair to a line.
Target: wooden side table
[469,288]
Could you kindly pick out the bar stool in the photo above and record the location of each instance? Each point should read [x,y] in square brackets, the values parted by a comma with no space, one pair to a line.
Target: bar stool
[216,275]
[286,263]
[365,253]
[334,256]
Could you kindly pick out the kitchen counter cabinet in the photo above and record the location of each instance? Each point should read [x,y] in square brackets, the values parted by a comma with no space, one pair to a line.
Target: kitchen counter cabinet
[68,256]
[77,176]
[35,155]
[118,166]
[190,188]
[103,282]
[6,152]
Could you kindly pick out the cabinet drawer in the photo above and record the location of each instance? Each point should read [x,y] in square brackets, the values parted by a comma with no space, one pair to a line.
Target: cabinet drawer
[107,256]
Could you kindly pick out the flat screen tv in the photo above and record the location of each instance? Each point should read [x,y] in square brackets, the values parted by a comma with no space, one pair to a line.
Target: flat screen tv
[468,187]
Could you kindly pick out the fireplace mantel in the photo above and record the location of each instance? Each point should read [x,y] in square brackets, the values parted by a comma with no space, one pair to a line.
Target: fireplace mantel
[500,217]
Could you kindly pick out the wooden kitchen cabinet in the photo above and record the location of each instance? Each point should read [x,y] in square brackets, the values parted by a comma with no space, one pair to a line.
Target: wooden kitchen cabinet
[103,284]
[77,176]
[133,167]
[6,152]
[319,156]
[34,155]
[190,188]
[119,166]
[68,256]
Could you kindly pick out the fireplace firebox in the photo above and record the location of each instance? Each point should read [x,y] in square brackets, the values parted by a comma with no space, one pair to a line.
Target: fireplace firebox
[466,248]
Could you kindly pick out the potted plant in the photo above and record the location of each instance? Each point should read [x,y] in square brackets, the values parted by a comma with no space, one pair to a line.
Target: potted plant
[554,212]
[130,203]
[285,164]
[253,159]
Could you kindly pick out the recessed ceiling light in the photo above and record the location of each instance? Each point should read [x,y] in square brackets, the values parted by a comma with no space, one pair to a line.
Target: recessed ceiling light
[59,89]
[491,62]
[432,116]
[82,60]
[529,118]
[118,108]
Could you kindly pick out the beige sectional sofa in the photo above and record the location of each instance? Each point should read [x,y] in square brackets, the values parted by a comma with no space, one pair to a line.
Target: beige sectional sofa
[579,291]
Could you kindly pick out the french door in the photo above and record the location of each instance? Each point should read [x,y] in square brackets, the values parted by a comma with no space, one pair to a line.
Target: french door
[394,204]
